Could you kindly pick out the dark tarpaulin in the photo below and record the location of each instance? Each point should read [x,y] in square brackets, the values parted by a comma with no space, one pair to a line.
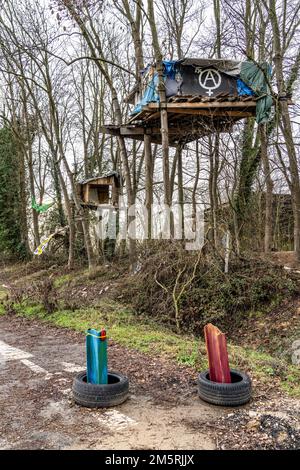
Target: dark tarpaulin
[224,65]
[257,77]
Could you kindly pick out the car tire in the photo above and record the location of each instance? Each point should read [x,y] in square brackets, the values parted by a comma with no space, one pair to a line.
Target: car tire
[236,393]
[113,393]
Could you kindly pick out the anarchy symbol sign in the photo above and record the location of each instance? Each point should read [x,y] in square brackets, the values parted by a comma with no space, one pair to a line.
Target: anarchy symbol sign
[210,79]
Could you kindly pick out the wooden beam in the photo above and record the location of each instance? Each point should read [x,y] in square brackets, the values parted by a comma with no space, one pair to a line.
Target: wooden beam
[179,131]
[109,130]
[152,116]
[212,112]
[141,131]
[126,130]
[212,104]
[193,99]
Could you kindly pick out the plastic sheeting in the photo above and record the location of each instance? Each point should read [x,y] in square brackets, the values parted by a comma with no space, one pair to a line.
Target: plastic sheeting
[40,207]
[149,96]
[243,89]
[256,77]
[96,356]
[170,68]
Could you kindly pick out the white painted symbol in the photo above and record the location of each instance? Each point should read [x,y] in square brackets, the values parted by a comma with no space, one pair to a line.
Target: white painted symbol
[210,79]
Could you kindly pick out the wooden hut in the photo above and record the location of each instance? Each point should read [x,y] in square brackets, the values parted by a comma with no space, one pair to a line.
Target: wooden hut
[100,191]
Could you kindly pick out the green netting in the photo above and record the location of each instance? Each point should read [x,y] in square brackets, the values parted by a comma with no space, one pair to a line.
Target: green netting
[257,77]
[40,207]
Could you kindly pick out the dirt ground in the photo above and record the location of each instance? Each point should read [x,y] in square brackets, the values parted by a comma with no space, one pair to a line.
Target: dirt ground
[284,258]
[37,366]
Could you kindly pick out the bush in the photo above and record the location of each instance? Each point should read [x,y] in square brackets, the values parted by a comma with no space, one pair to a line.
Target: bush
[42,292]
[212,296]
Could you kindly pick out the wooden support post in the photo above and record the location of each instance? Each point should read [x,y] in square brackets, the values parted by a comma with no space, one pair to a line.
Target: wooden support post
[216,347]
[149,182]
[180,188]
[164,133]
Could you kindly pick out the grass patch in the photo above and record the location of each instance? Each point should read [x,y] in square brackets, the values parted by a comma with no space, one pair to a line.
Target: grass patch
[61,280]
[3,294]
[146,336]
[123,327]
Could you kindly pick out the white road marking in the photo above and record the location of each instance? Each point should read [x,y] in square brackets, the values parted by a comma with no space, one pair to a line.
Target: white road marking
[62,381]
[37,369]
[34,367]
[4,444]
[12,354]
[71,367]
[116,419]
[9,353]
[66,391]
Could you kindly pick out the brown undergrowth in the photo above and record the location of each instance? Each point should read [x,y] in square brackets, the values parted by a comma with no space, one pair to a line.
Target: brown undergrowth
[173,281]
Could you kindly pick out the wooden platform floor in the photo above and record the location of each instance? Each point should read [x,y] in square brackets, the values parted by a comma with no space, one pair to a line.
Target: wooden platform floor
[189,117]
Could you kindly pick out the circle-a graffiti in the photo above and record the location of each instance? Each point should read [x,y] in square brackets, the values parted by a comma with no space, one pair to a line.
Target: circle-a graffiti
[210,79]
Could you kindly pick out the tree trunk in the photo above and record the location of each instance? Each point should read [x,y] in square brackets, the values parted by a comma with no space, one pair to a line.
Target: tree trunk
[163,106]
[196,180]
[213,186]
[148,183]
[295,182]
[286,125]
[269,189]
[35,215]
[70,217]
[23,203]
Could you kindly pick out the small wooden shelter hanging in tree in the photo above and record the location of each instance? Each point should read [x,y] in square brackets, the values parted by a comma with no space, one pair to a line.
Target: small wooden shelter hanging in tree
[100,191]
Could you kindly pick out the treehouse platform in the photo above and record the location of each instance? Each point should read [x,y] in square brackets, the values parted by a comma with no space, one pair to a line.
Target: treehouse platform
[189,118]
[202,96]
